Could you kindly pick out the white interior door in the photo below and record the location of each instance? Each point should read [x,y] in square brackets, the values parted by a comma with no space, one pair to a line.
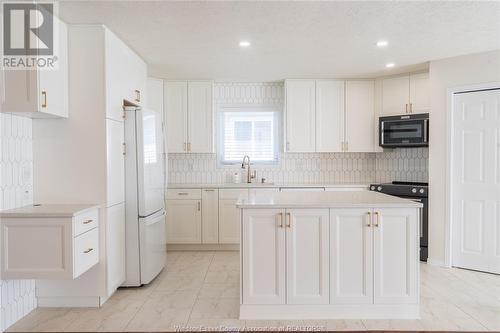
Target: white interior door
[475,191]
[307,250]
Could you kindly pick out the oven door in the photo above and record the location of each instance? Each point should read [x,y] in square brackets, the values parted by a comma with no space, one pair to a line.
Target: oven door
[403,131]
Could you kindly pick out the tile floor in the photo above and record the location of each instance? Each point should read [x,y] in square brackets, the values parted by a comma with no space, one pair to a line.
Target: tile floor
[199,291]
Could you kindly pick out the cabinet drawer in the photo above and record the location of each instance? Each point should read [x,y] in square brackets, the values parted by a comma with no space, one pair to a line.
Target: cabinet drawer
[85,222]
[233,193]
[86,251]
[187,194]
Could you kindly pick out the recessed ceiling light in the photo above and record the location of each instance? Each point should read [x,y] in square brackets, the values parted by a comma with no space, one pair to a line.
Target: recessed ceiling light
[389,65]
[244,43]
[382,43]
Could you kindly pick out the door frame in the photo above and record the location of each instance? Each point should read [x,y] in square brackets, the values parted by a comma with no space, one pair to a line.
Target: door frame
[450,93]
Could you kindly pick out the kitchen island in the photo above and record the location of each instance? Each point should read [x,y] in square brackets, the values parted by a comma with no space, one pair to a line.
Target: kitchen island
[329,255]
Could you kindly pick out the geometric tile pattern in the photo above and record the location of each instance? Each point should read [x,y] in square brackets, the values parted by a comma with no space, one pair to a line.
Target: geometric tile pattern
[17,297]
[298,168]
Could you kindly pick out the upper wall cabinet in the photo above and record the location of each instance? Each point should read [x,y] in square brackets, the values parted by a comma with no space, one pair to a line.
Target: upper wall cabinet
[189,116]
[360,116]
[405,94]
[330,116]
[300,115]
[39,93]
[128,84]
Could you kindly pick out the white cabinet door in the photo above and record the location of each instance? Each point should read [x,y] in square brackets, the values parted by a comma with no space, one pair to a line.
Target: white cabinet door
[115,246]
[329,115]
[351,256]
[300,116]
[263,261]
[210,216]
[395,95]
[200,119]
[360,116]
[307,250]
[115,169]
[420,97]
[183,221]
[395,259]
[176,116]
[229,222]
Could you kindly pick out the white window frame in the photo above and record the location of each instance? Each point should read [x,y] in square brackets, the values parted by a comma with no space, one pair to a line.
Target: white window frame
[250,108]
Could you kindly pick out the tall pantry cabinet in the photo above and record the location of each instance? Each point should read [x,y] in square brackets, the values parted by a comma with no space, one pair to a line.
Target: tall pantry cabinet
[81,159]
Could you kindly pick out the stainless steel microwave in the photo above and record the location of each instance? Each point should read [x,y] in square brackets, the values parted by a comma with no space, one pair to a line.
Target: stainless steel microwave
[404,131]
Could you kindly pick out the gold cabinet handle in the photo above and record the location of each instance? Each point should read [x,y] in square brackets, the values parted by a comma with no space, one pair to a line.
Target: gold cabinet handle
[44,95]
[199,206]
[182,193]
[411,108]
[88,221]
[189,146]
[369,224]
[289,225]
[88,250]
[137,95]
[376,219]
[281,219]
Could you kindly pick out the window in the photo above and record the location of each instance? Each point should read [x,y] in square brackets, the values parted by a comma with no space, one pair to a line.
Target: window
[252,132]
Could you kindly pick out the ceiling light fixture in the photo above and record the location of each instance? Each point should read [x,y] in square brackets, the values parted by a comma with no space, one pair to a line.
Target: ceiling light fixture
[389,65]
[382,43]
[244,43]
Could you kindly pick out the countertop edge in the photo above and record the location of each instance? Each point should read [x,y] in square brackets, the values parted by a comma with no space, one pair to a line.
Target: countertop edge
[11,213]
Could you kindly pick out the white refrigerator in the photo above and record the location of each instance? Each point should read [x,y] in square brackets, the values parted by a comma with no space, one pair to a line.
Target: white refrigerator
[144,199]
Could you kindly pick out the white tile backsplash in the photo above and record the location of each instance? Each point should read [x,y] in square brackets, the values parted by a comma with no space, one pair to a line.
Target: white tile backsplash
[398,164]
[17,297]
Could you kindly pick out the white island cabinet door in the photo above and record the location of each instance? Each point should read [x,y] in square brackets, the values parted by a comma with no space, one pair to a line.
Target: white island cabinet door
[307,249]
[351,256]
[300,116]
[263,261]
[396,259]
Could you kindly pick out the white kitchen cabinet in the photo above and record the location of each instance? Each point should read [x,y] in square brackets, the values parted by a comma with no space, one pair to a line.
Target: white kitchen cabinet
[420,97]
[360,120]
[200,119]
[300,116]
[351,256]
[176,116]
[405,94]
[307,252]
[329,115]
[210,216]
[263,250]
[229,222]
[189,116]
[184,221]
[129,84]
[115,246]
[154,91]
[115,168]
[40,93]
[49,242]
[395,256]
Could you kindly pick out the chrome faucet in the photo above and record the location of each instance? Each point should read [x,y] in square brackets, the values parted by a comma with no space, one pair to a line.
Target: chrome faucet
[250,176]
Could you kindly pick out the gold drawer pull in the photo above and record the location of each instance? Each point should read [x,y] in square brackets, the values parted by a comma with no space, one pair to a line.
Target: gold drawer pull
[377,219]
[281,219]
[44,95]
[369,224]
[88,250]
[182,193]
[88,221]
[137,95]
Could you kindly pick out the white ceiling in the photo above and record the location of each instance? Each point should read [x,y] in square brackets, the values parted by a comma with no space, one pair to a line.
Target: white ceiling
[292,39]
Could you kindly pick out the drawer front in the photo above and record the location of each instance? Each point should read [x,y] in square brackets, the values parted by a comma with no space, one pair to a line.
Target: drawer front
[184,194]
[85,221]
[233,194]
[85,251]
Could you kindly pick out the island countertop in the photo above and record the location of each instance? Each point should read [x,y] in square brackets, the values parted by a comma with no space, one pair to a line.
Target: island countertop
[355,199]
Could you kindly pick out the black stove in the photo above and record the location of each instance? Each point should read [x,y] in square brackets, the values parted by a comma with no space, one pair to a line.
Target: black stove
[413,191]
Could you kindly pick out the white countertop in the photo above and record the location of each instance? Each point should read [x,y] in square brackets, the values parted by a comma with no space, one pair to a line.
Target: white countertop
[48,210]
[260,185]
[355,199]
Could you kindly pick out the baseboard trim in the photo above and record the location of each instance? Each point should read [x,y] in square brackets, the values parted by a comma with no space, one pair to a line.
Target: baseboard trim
[203,247]
[344,311]
[69,302]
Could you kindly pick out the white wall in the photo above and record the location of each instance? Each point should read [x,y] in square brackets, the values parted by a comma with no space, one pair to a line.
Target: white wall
[17,297]
[444,74]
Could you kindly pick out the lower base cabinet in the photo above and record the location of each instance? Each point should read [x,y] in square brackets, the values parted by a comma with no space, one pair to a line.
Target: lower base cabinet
[354,256]
[184,221]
